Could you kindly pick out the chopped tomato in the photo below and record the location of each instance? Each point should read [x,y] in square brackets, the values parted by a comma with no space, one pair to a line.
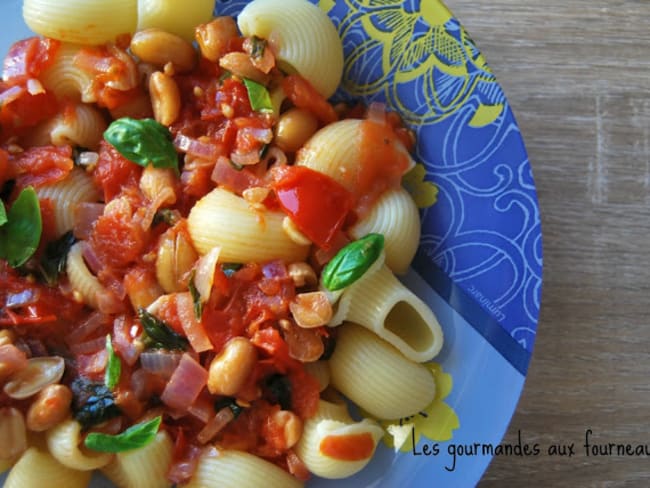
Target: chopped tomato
[317,204]
[348,447]
[303,95]
[117,238]
[27,58]
[20,109]
[115,75]
[38,166]
[383,161]
[114,172]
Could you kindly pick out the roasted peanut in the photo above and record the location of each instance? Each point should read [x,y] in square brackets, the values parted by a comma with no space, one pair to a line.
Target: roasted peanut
[311,309]
[160,47]
[294,128]
[240,64]
[50,407]
[165,98]
[229,370]
[291,428]
[214,36]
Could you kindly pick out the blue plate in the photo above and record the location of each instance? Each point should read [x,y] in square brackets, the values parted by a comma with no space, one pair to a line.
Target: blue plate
[479,264]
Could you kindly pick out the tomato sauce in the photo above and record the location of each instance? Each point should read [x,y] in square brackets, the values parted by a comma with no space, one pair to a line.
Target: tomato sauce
[348,447]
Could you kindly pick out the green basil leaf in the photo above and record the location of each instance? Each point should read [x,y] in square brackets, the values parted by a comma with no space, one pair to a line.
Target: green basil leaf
[196,297]
[113,366]
[54,258]
[20,235]
[259,96]
[135,437]
[3,214]
[143,142]
[258,47]
[92,403]
[351,262]
[160,334]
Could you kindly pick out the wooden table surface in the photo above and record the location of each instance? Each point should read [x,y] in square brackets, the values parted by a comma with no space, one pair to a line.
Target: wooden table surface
[577,75]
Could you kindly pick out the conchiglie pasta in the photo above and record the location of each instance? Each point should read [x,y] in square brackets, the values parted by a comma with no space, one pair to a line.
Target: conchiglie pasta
[82,281]
[63,442]
[382,304]
[332,425]
[82,126]
[377,377]
[321,371]
[37,468]
[244,234]
[145,467]
[396,216]
[302,36]
[64,79]
[335,150]
[81,21]
[179,18]
[238,469]
[66,195]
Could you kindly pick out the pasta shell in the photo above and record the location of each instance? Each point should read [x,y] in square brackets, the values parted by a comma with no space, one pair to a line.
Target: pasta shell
[63,442]
[303,38]
[39,468]
[396,216]
[244,234]
[81,21]
[332,419]
[238,469]
[382,304]
[66,195]
[377,377]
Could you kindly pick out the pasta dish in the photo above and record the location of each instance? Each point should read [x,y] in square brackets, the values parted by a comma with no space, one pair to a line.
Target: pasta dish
[199,251]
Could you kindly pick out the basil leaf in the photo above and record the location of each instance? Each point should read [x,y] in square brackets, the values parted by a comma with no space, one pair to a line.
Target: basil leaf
[135,437]
[113,367]
[55,256]
[92,403]
[196,297]
[3,214]
[230,269]
[229,402]
[258,47]
[160,334]
[143,142]
[258,96]
[351,262]
[20,235]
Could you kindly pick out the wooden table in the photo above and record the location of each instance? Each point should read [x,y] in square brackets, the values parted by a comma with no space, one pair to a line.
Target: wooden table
[577,75]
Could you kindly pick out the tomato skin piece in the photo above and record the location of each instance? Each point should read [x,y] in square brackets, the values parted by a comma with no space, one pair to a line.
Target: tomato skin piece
[114,172]
[317,204]
[303,95]
[27,58]
[349,447]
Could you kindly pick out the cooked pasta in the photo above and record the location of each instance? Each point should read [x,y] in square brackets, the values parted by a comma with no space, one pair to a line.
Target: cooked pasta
[66,195]
[179,18]
[81,21]
[210,224]
[86,285]
[382,304]
[198,251]
[377,377]
[396,217]
[303,38]
[64,441]
[38,468]
[142,468]
[238,469]
[65,79]
[328,438]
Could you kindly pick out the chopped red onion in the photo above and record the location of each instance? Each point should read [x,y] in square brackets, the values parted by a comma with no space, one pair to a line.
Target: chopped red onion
[85,215]
[94,321]
[236,181]
[215,425]
[245,159]
[185,384]
[161,363]
[88,347]
[197,148]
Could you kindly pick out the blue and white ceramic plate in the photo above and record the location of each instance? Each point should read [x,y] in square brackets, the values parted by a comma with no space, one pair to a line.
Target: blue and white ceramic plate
[479,264]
